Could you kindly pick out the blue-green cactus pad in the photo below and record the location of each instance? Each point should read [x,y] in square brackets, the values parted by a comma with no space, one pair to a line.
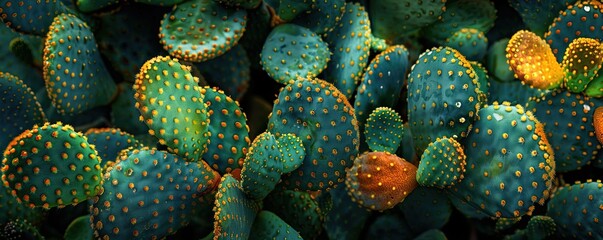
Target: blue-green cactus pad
[383,130]
[172,105]
[514,92]
[391,19]
[234,212]
[576,210]
[268,225]
[350,43]
[230,72]
[346,219]
[31,17]
[470,42]
[496,61]
[160,2]
[149,193]
[124,114]
[247,4]
[262,168]
[110,141]
[299,209]
[9,61]
[292,51]
[510,164]
[79,229]
[538,15]
[75,74]
[426,208]
[477,14]
[442,164]
[293,151]
[287,10]
[11,208]
[483,77]
[581,63]
[199,30]
[322,16]
[319,114]
[388,226]
[443,96]
[90,6]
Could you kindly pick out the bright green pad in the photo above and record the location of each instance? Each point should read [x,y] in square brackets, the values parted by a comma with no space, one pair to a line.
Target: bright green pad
[568,124]
[292,52]
[268,225]
[199,30]
[383,130]
[230,72]
[318,113]
[442,164]
[382,81]
[470,42]
[79,229]
[595,87]
[20,229]
[172,105]
[576,210]
[262,168]
[581,63]
[293,151]
[229,131]
[247,4]
[90,6]
[426,208]
[234,212]
[124,114]
[76,77]
[299,209]
[510,165]
[30,17]
[149,194]
[350,43]
[110,141]
[443,96]
[391,19]
[323,15]
[538,15]
[50,166]
[378,44]
[19,108]
[477,14]
[575,21]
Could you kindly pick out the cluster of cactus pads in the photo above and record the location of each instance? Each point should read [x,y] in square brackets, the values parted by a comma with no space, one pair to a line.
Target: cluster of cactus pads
[291,119]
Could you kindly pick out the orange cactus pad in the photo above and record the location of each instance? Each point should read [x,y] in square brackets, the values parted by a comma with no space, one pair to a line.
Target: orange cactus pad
[598,122]
[533,61]
[380,180]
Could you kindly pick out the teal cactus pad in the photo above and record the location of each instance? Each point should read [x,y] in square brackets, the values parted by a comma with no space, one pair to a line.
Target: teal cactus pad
[268,225]
[301,210]
[510,164]
[496,61]
[541,227]
[477,14]
[382,81]
[163,3]
[124,114]
[318,113]
[79,229]
[582,19]
[538,15]
[350,43]
[392,19]
[470,42]
[426,208]
[91,6]
[110,141]
[383,130]
[172,106]
[149,194]
[293,151]
[230,72]
[262,168]
[19,107]
[568,124]
[504,224]
[346,219]
[287,10]
[11,208]
[388,225]
[75,74]
[581,63]
[443,96]
[292,51]
[442,164]
[31,17]
[229,131]
[17,67]
[51,166]
[234,212]
[20,229]
[247,4]
[483,77]
[432,234]
[322,16]
[576,210]
[514,92]
[199,30]
[380,180]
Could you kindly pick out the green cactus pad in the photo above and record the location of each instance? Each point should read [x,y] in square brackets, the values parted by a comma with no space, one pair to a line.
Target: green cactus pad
[247,4]
[432,234]
[391,19]
[378,44]
[514,92]
[262,167]
[12,62]
[581,63]
[568,124]
[426,208]
[443,96]
[79,229]
[442,164]
[229,131]
[149,194]
[110,141]
[504,224]
[172,106]
[538,15]
[380,180]
[388,225]
[346,219]
[230,72]
[383,130]
[19,107]
[541,227]
[582,19]
[11,208]
[91,6]
[20,229]
[576,210]
[595,87]
[292,51]
[477,14]
[293,151]
[160,2]
[268,225]
[51,165]
[470,42]
[382,81]
[234,212]
[483,77]
[124,114]
[287,10]
[510,165]
[75,75]
[199,30]
[31,17]
[496,61]
[301,210]
[350,43]
[318,113]
[322,16]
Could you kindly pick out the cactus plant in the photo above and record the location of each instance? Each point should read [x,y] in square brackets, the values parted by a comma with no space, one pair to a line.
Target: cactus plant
[442,164]
[383,130]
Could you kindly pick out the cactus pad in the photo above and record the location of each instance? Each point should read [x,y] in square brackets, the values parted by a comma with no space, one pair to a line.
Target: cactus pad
[301,210]
[480,15]
[383,130]
[268,225]
[230,72]
[322,16]
[538,15]
[442,164]
[470,42]
[234,212]
[391,19]
[426,208]
[262,167]
[581,63]
[90,6]
[110,141]
[31,17]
